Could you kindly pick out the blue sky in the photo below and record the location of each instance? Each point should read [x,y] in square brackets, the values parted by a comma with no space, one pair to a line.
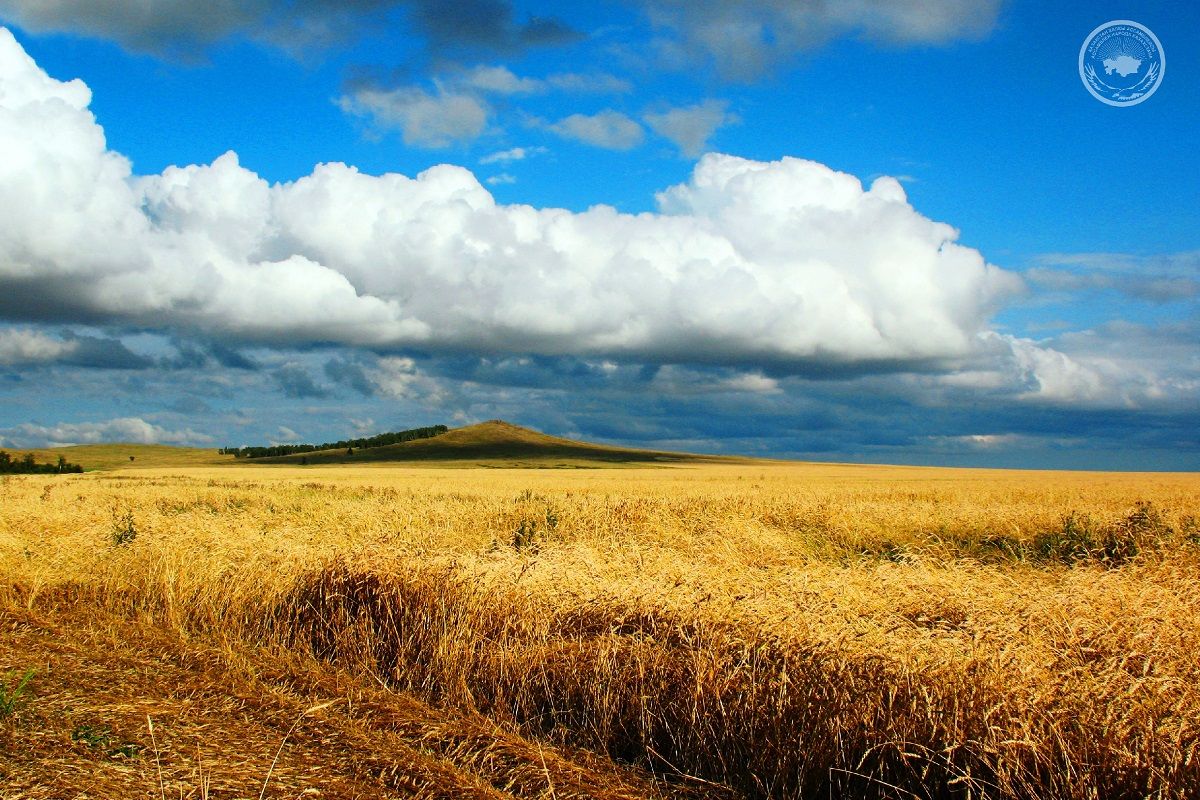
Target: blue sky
[897,232]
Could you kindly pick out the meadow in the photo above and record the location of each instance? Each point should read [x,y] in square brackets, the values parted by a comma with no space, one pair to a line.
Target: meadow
[723,630]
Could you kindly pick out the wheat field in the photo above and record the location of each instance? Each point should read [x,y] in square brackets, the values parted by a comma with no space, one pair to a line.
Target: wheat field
[742,631]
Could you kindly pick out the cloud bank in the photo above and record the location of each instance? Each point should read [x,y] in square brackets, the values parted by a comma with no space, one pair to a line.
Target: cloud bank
[122,429]
[784,263]
[183,27]
[1161,278]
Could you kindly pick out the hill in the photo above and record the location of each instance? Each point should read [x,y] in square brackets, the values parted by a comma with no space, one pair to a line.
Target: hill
[121,455]
[489,444]
[500,444]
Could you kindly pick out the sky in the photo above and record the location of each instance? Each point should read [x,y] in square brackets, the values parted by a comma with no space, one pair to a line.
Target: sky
[893,232]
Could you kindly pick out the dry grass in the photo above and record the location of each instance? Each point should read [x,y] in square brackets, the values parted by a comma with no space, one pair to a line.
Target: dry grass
[125,710]
[784,631]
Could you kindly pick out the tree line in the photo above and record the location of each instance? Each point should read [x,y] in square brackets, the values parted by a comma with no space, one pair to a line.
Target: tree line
[26,465]
[382,439]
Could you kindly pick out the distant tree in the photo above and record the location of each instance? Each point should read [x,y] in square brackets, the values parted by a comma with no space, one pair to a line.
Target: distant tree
[349,445]
[131,458]
[27,465]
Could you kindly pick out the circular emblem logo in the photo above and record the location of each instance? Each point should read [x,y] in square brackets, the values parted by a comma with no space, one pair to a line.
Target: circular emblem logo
[1122,63]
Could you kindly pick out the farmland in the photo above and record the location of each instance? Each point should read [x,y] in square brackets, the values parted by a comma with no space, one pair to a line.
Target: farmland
[742,630]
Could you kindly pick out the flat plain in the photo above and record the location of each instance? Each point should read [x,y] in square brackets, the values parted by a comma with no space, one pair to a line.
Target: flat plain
[741,630]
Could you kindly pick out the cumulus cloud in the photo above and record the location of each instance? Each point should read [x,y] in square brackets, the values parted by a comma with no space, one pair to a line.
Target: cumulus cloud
[786,263]
[400,379]
[1056,377]
[24,346]
[609,129]
[424,119]
[690,127]
[133,430]
[743,39]
[1118,365]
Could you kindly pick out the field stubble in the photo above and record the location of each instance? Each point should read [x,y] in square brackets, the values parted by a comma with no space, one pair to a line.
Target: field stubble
[783,631]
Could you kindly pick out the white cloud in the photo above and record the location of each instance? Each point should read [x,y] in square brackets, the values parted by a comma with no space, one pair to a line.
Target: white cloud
[399,379]
[690,127]
[918,21]
[500,80]
[753,382]
[22,346]
[133,430]
[423,119]
[1056,377]
[785,262]
[682,381]
[1117,366]
[984,441]
[501,179]
[512,154]
[285,435]
[459,109]
[609,129]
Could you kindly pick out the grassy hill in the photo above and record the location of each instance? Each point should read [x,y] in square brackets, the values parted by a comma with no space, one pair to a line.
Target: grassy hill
[121,456]
[497,443]
[489,444]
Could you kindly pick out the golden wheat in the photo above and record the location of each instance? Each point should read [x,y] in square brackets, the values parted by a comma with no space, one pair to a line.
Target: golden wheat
[781,630]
